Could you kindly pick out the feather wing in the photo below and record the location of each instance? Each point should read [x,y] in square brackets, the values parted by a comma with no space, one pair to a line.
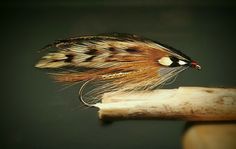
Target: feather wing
[126,61]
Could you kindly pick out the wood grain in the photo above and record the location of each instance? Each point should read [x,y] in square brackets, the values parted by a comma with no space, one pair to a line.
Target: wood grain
[184,103]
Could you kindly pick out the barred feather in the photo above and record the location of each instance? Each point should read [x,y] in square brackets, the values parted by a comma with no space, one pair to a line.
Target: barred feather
[120,61]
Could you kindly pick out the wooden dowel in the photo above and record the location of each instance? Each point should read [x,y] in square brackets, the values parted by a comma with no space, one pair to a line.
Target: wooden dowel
[184,103]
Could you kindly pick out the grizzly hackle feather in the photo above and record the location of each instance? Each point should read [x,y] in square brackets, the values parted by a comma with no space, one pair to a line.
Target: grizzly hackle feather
[117,61]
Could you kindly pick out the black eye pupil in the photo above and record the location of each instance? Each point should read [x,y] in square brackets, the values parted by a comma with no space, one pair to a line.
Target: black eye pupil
[175,61]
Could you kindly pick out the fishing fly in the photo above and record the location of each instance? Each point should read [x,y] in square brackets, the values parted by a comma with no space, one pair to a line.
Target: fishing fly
[113,62]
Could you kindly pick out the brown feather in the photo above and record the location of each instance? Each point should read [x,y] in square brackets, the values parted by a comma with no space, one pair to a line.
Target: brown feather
[126,62]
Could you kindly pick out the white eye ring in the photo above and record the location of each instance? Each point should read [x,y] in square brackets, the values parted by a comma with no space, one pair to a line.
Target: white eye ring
[165,61]
[181,62]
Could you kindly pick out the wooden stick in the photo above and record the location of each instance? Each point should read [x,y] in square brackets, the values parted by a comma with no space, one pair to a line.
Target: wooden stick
[184,103]
[209,135]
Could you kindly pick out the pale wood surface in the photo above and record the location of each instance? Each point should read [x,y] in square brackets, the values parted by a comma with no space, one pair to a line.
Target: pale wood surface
[184,103]
[210,136]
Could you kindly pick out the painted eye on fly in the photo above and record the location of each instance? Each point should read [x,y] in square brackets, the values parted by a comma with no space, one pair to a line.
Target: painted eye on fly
[171,61]
[120,62]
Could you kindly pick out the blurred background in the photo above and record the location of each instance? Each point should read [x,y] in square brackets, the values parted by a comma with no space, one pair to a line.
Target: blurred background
[36,114]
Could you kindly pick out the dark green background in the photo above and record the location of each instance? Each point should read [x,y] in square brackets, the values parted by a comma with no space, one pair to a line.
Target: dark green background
[34,114]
